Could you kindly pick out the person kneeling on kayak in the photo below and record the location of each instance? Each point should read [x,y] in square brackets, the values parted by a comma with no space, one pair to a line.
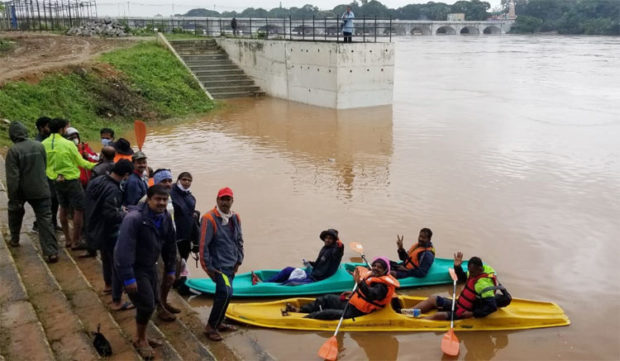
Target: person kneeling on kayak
[326,263]
[374,291]
[478,298]
[417,260]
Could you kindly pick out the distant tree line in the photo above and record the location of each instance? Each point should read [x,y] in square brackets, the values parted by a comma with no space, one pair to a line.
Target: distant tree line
[473,10]
[590,17]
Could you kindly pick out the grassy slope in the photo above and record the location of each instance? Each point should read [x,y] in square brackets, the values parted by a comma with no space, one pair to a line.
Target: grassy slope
[145,82]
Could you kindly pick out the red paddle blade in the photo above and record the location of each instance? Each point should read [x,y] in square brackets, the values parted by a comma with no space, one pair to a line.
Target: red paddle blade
[329,350]
[140,129]
[450,343]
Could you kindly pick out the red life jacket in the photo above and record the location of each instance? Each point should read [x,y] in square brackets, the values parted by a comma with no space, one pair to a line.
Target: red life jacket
[414,252]
[362,303]
[466,299]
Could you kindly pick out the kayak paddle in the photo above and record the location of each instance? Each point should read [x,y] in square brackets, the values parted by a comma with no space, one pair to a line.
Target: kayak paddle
[449,342]
[357,247]
[329,350]
[140,129]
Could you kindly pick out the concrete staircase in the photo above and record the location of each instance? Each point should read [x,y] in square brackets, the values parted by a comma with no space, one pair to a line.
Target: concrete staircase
[49,311]
[211,65]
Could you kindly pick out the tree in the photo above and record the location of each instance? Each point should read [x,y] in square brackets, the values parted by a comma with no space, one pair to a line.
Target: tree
[202,13]
[473,10]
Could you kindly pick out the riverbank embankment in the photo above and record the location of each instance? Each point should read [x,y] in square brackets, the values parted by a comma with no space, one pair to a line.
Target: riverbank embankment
[111,83]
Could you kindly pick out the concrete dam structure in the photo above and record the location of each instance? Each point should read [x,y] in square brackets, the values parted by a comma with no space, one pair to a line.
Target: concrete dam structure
[327,74]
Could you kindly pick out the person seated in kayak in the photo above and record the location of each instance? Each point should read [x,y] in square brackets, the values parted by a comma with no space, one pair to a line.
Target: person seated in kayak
[326,263]
[477,299]
[374,291]
[417,260]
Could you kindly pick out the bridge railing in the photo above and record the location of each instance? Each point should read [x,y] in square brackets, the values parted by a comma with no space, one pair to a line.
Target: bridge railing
[308,29]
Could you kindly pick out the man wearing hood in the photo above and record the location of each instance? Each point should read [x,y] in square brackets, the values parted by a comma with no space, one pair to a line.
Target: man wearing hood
[27,182]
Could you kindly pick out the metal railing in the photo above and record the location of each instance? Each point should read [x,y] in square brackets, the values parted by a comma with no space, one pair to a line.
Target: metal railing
[309,29]
[45,14]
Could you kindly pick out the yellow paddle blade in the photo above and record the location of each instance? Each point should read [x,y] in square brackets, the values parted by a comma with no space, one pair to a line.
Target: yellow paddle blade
[357,247]
[329,350]
[450,343]
[140,129]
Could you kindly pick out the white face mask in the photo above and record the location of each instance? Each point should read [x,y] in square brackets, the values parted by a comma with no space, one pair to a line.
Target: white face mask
[76,141]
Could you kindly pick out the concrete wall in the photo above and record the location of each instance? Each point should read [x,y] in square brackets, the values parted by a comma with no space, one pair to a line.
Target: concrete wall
[333,75]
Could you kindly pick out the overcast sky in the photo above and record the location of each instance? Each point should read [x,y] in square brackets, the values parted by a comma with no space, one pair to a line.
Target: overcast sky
[167,8]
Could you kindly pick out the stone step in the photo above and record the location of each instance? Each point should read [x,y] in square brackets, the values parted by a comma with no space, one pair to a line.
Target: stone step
[63,328]
[215,67]
[180,343]
[204,57]
[213,77]
[203,71]
[199,51]
[22,335]
[90,309]
[210,63]
[210,84]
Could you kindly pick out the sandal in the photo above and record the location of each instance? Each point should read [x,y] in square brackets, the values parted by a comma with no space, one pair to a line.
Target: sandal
[155,343]
[13,243]
[213,335]
[170,308]
[146,352]
[124,307]
[225,327]
[164,315]
[52,259]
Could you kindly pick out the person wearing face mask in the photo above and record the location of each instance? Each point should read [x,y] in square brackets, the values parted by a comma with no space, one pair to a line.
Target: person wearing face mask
[185,216]
[107,136]
[73,135]
[221,254]
[63,162]
[103,217]
[373,292]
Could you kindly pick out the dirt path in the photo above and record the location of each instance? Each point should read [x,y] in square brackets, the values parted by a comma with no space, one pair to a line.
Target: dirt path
[37,53]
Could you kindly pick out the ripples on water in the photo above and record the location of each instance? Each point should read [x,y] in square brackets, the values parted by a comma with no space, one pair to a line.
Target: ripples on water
[507,147]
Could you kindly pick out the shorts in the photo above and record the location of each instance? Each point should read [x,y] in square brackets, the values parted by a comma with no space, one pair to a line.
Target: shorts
[70,194]
[445,305]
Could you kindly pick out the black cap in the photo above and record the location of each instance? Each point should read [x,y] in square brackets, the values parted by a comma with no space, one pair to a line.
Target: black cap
[122,146]
[330,232]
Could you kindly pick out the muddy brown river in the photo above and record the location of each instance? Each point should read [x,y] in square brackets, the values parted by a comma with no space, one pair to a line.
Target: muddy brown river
[507,147]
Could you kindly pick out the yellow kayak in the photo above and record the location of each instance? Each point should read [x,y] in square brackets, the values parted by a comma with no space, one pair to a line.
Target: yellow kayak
[521,314]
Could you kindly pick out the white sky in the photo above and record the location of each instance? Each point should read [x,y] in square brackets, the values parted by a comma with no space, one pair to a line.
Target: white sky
[167,8]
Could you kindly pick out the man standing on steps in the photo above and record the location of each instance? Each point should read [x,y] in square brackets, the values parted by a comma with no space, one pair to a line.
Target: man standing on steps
[27,182]
[146,232]
[63,162]
[221,254]
[43,129]
[104,214]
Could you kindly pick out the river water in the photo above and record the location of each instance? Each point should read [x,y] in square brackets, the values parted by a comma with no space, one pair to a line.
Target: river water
[506,147]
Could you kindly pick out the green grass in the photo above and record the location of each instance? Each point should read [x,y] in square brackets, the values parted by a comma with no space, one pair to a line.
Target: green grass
[5,46]
[143,82]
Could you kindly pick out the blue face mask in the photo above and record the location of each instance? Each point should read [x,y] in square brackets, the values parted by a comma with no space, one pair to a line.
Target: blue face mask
[106,141]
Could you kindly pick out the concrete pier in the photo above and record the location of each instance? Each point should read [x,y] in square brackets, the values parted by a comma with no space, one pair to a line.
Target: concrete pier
[326,74]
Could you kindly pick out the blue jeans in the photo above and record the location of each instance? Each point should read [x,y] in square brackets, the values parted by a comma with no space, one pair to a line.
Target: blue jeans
[221,299]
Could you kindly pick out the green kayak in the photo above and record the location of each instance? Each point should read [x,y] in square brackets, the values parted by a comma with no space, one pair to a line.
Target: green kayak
[341,281]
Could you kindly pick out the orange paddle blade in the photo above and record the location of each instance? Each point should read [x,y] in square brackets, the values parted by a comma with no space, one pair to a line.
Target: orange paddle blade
[450,343]
[357,247]
[329,350]
[140,129]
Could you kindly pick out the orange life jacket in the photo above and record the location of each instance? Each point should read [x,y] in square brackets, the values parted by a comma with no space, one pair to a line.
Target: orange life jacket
[362,303]
[118,157]
[466,299]
[414,252]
